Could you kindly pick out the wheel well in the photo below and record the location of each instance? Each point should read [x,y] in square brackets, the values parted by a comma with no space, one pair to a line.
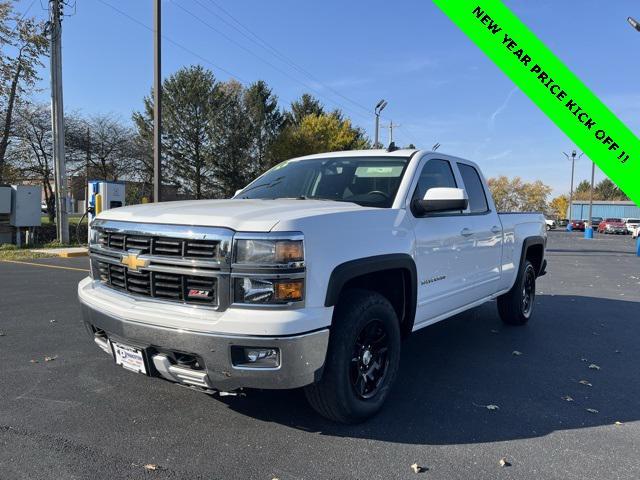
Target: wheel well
[535,254]
[395,286]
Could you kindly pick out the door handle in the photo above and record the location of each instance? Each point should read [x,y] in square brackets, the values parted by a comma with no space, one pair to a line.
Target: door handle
[466,232]
[495,229]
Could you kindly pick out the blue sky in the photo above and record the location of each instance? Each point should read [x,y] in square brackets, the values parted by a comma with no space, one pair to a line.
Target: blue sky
[439,86]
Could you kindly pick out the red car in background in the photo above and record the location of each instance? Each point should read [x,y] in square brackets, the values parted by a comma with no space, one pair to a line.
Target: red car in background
[577,225]
[612,225]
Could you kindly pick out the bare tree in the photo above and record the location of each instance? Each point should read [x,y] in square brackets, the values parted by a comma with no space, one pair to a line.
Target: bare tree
[23,43]
[32,153]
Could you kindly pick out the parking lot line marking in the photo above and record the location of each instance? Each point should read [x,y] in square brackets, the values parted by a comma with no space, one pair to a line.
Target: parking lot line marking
[47,266]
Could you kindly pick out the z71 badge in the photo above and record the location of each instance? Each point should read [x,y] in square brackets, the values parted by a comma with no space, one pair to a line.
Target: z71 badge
[199,293]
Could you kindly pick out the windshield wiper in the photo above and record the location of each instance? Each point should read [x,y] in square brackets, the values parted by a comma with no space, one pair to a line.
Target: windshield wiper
[272,183]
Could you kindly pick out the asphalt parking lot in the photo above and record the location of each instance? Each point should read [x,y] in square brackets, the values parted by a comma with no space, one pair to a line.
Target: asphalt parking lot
[80,416]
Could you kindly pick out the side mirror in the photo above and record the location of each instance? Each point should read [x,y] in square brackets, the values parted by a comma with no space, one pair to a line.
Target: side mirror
[438,200]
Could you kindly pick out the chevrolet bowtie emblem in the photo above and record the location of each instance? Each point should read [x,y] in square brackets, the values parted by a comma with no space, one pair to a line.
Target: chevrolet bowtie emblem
[132,261]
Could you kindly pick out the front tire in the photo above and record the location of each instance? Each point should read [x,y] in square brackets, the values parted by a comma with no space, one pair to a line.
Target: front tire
[362,359]
[516,306]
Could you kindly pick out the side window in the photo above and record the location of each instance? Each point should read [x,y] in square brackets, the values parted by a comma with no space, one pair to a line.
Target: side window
[435,173]
[474,188]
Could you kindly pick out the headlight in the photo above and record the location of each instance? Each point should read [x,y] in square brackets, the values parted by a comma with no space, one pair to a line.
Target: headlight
[268,269]
[268,252]
[265,291]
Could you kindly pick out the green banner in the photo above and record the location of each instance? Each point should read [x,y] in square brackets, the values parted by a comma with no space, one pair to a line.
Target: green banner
[552,86]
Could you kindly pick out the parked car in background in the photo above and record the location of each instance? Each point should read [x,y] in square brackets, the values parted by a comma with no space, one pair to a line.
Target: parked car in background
[612,225]
[595,222]
[636,233]
[563,222]
[577,225]
[632,224]
[551,224]
[43,207]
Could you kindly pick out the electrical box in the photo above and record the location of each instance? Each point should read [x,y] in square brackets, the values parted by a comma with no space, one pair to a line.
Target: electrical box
[5,199]
[25,206]
[112,195]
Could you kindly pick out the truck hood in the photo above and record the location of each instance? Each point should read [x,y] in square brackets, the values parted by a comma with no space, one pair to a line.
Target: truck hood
[238,214]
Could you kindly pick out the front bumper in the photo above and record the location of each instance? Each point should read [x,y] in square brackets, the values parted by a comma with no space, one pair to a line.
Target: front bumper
[302,356]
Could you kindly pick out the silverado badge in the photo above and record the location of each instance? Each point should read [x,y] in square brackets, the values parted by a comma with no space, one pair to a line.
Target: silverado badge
[132,261]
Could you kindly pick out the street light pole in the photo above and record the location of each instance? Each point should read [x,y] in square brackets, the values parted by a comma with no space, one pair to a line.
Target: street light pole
[588,231]
[573,166]
[157,102]
[634,23]
[379,107]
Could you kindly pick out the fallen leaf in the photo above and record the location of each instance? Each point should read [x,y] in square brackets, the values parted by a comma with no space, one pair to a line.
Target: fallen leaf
[567,398]
[50,359]
[493,330]
[591,410]
[504,462]
[516,353]
[617,351]
[593,366]
[493,407]
[585,382]
[2,334]
[583,359]
[33,360]
[52,321]
[417,468]
[150,466]
[617,423]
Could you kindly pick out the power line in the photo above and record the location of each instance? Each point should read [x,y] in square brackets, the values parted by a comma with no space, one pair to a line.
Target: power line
[173,42]
[22,17]
[256,39]
[230,39]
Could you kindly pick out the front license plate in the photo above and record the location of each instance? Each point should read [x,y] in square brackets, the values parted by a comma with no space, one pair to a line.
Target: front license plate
[130,358]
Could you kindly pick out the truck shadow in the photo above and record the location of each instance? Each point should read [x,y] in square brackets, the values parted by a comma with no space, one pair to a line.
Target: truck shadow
[452,370]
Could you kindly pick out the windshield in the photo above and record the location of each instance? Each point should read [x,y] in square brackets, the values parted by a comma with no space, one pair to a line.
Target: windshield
[633,220]
[371,182]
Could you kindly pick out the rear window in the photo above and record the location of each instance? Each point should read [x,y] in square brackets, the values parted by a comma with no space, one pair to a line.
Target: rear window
[475,190]
[633,220]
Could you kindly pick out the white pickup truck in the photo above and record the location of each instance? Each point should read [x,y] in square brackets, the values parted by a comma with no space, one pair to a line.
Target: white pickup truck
[311,276]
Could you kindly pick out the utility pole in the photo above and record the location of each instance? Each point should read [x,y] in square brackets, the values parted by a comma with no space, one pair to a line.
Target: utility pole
[57,120]
[157,102]
[86,172]
[379,107]
[391,126]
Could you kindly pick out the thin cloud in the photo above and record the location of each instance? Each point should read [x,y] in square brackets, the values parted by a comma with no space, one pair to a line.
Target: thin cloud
[499,156]
[492,119]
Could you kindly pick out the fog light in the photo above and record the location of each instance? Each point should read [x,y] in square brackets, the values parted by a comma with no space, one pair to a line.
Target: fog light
[255,357]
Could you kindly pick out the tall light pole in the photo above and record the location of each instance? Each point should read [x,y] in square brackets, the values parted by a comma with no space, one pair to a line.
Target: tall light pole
[588,230]
[379,107]
[157,102]
[632,21]
[57,120]
[573,167]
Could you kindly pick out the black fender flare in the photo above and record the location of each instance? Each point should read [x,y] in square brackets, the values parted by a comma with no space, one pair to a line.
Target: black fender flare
[355,268]
[529,242]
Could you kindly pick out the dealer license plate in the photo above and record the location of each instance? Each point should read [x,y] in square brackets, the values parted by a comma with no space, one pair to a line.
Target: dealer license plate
[130,358]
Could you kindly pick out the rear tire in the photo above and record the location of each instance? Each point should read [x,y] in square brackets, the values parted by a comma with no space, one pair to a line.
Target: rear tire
[362,359]
[516,306]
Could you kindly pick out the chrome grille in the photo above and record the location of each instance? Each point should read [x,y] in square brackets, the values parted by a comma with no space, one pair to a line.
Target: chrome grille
[176,263]
[156,245]
[170,286]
